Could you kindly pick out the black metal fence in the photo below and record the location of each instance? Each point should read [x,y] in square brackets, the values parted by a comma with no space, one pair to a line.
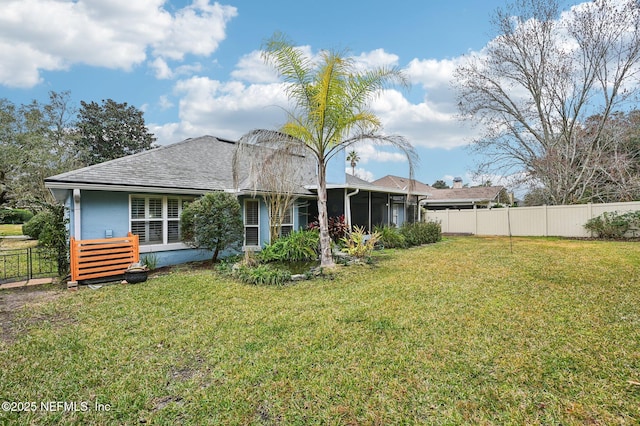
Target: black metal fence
[25,264]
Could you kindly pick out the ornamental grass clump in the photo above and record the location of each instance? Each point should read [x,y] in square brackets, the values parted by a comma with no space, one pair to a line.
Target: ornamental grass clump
[263,274]
[390,237]
[298,246]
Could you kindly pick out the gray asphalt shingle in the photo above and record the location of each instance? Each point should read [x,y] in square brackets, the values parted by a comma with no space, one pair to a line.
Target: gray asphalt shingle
[203,164]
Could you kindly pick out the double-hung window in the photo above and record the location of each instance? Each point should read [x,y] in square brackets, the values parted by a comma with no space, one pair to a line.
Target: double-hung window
[287,223]
[156,219]
[251,223]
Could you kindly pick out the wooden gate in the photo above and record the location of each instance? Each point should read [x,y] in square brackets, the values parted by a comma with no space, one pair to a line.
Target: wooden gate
[104,257]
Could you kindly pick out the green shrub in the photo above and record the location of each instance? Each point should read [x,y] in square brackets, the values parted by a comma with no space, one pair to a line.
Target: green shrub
[419,233]
[390,237]
[15,216]
[261,275]
[54,236]
[613,225]
[34,227]
[298,246]
[213,222]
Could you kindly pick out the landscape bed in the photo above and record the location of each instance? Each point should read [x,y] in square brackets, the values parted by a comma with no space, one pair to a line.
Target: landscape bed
[466,331]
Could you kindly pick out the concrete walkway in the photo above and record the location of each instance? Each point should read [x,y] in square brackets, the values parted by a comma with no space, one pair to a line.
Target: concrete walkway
[28,283]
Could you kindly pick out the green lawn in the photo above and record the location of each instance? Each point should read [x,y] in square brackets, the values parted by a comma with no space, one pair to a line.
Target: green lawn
[460,332]
[10,230]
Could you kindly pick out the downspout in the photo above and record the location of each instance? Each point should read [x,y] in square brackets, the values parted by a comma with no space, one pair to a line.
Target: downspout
[347,205]
[77,234]
[420,200]
[369,218]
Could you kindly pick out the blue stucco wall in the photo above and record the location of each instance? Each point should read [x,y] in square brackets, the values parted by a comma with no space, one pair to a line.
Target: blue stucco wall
[102,211]
[336,169]
[177,257]
[264,217]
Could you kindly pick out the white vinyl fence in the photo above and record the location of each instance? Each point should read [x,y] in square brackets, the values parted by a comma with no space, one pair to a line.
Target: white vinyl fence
[543,221]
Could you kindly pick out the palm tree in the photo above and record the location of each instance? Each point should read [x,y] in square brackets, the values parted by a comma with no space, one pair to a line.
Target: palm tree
[353,157]
[330,99]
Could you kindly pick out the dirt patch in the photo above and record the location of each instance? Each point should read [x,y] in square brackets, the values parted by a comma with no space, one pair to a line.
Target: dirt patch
[12,301]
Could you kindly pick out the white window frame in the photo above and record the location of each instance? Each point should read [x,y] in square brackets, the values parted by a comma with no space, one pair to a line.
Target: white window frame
[165,245]
[289,224]
[250,225]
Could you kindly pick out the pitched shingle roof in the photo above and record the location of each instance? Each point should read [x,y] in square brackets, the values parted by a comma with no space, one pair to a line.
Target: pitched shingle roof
[402,183]
[474,194]
[356,181]
[202,163]
[199,164]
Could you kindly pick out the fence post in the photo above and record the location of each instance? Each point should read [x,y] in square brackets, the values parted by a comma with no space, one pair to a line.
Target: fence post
[475,221]
[29,264]
[73,257]
[135,244]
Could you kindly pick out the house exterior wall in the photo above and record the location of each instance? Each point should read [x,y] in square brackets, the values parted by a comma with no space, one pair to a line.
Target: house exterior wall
[300,215]
[336,168]
[263,220]
[107,213]
[102,212]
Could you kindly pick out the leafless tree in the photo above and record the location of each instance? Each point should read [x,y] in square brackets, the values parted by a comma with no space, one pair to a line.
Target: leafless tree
[535,85]
[277,175]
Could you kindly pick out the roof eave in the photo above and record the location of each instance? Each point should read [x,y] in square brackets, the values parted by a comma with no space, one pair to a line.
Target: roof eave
[368,188]
[124,188]
[459,201]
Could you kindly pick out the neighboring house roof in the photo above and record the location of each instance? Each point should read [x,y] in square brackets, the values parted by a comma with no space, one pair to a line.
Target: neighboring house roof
[354,182]
[458,196]
[450,196]
[402,183]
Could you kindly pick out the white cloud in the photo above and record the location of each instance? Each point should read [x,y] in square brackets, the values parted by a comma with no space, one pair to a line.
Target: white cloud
[164,102]
[370,153]
[254,99]
[162,71]
[252,68]
[423,124]
[17,66]
[225,109]
[361,173]
[431,73]
[37,35]
[376,58]
[161,68]
[196,29]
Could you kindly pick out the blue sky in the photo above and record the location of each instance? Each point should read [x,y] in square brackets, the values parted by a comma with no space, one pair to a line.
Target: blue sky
[193,67]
